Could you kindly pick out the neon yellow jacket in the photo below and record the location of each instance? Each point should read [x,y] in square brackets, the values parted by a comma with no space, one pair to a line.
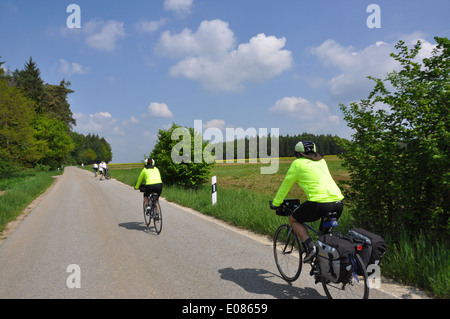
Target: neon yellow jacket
[151,175]
[315,180]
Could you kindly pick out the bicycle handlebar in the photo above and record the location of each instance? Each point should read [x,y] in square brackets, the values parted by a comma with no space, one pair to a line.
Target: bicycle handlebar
[286,208]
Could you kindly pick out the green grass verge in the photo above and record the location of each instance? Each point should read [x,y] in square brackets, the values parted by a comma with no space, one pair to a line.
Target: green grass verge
[19,190]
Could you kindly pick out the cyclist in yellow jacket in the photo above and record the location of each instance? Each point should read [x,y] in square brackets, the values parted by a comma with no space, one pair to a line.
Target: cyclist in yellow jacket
[153,182]
[311,173]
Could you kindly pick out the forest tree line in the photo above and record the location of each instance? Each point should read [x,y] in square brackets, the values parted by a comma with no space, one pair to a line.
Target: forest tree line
[325,144]
[36,123]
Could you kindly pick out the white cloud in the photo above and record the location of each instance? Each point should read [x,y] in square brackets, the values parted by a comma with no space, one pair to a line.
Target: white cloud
[312,115]
[209,55]
[150,26]
[159,110]
[179,6]
[95,123]
[128,140]
[215,123]
[71,68]
[354,66]
[102,35]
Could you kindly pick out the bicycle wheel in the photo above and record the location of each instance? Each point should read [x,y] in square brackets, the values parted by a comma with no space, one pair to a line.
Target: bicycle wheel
[157,217]
[287,252]
[147,215]
[356,287]
[108,176]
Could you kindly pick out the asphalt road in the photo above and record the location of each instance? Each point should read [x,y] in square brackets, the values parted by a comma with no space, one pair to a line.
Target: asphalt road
[86,239]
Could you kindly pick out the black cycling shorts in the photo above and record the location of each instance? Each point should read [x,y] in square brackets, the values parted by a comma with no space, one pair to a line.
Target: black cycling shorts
[153,188]
[312,211]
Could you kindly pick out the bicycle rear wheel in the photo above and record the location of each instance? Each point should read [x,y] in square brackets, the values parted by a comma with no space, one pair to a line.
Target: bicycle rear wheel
[287,252]
[147,215]
[157,217]
[356,287]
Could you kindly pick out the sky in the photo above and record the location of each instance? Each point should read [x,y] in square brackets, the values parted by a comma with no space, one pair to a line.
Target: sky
[138,66]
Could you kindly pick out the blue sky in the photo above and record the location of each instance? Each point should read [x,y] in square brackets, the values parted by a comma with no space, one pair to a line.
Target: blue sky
[137,66]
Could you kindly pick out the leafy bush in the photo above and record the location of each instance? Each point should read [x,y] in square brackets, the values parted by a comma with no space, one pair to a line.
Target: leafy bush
[399,157]
[191,169]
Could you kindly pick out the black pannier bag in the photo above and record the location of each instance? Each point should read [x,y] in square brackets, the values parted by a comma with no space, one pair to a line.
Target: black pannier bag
[334,257]
[374,246]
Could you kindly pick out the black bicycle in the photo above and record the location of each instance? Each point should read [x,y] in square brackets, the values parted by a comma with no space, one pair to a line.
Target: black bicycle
[107,174]
[288,251]
[152,211]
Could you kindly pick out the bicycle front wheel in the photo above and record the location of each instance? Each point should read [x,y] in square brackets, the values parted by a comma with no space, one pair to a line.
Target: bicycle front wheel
[356,287]
[157,217]
[288,253]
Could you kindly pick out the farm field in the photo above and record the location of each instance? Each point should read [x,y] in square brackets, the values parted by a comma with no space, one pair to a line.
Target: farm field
[248,176]
[243,175]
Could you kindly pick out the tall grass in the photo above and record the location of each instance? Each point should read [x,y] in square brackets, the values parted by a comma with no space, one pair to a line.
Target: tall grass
[21,188]
[419,261]
[239,207]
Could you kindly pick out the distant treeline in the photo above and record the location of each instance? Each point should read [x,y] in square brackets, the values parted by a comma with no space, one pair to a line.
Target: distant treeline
[326,145]
[90,149]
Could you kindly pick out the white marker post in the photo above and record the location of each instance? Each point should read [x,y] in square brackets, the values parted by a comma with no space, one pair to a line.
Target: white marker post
[214,190]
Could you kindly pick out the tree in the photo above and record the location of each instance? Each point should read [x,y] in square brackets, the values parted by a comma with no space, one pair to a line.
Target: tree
[87,156]
[399,157]
[194,169]
[55,138]
[17,144]
[90,149]
[29,79]
[54,102]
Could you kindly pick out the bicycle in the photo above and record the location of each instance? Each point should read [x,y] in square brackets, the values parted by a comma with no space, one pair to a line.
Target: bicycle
[152,211]
[288,253]
[107,175]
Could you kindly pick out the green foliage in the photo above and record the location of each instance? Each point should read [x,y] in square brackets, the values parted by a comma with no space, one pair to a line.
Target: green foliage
[90,149]
[399,158]
[16,134]
[55,140]
[29,80]
[55,102]
[36,123]
[192,172]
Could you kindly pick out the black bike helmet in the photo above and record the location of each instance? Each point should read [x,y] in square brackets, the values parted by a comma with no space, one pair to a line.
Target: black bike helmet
[149,162]
[305,147]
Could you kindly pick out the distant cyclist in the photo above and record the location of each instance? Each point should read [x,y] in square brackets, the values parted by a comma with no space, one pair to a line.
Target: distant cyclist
[103,169]
[153,182]
[311,173]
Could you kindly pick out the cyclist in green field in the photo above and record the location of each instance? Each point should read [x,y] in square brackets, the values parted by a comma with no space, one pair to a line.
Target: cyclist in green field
[311,173]
[152,176]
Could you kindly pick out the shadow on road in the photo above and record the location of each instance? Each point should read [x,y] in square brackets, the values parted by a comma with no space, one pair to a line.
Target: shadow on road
[259,281]
[139,226]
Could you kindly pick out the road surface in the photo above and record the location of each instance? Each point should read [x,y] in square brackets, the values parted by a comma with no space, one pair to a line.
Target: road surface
[86,239]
